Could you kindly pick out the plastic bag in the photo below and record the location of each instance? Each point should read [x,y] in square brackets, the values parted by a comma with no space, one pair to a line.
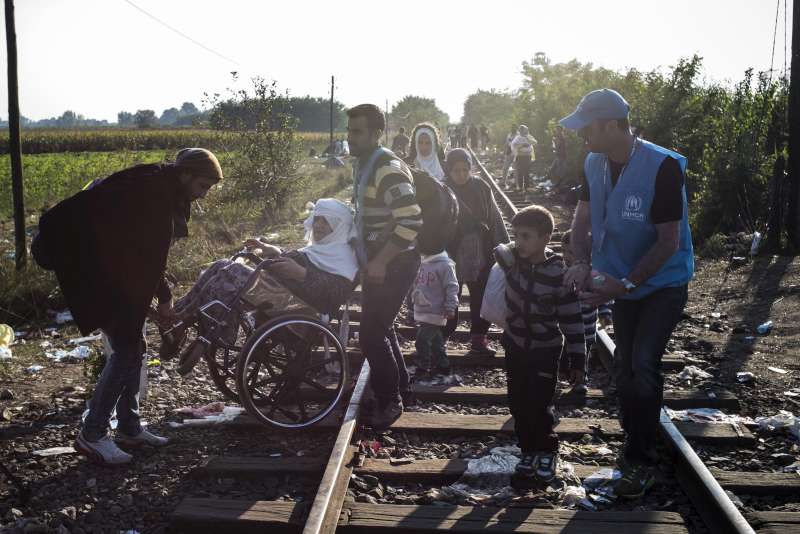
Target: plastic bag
[493,307]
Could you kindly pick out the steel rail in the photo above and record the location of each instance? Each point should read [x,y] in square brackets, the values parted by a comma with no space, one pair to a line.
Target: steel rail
[327,506]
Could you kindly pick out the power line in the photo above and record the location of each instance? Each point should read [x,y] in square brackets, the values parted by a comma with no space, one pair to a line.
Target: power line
[171,28]
[774,36]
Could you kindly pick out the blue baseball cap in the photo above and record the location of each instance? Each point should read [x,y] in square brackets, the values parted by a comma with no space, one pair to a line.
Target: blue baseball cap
[599,104]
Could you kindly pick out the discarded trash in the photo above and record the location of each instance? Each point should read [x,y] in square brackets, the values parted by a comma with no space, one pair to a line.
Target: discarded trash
[782,420]
[440,380]
[764,328]
[64,317]
[34,368]
[716,315]
[229,413]
[690,372]
[80,352]
[493,470]
[792,468]
[745,377]
[271,237]
[6,335]
[153,362]
[214,408]
[86,339]
[707,415]
[54,451]
[573,495]
[602,477]
[5,353]
[778,370]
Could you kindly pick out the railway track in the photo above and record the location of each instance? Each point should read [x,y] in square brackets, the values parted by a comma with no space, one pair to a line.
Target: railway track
[398,481]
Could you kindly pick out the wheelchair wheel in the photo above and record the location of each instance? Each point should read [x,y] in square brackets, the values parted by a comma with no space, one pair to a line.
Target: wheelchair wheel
[292,372]
[221,358]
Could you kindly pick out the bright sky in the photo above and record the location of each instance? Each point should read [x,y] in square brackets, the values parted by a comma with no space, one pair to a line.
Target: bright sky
[97,57]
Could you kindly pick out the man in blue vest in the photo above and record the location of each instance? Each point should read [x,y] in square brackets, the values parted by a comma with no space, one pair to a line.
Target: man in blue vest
[632,244]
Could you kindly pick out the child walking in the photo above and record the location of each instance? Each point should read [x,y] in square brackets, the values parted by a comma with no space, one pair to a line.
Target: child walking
[435,300]
[542,315]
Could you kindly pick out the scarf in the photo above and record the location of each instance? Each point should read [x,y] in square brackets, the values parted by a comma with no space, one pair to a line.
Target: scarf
[429,163]
[333,253]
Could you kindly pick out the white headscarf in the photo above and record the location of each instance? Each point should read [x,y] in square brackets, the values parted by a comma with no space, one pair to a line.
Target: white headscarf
[429,163]
[333,253]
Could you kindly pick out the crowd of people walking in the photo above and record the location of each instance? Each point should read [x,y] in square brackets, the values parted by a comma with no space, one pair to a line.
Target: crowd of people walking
[422,228]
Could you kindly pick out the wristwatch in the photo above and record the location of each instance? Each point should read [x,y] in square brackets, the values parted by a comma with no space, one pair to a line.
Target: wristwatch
[629,286]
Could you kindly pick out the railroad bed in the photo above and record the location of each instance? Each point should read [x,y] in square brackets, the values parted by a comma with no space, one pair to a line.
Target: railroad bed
[399,480]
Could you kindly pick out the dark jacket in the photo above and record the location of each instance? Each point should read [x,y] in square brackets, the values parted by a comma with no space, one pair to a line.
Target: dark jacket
[480,228]
[108,246]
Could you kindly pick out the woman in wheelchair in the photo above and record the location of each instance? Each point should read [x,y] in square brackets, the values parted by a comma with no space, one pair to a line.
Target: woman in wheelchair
[322,274]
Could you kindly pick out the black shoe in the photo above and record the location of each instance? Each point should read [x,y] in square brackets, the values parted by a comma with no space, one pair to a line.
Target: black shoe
[525,468]
[546,466]
[636,480]
[384,417]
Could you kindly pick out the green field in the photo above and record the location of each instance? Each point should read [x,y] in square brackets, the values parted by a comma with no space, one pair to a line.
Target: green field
[217,230]
[43,141]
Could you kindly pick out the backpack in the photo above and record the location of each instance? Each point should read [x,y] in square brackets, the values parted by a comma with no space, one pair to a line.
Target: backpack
[439,212]
[438,203]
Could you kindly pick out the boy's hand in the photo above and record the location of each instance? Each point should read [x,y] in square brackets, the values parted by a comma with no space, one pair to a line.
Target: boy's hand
[605,321]
[577,377]
[451,314]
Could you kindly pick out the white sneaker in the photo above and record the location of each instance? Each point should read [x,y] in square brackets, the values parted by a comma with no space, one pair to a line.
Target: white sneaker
[103,451]
[142,438]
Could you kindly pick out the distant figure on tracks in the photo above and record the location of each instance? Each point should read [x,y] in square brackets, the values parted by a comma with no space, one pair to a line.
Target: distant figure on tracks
[522,146]
[388,219]
[108,245]
[633,216]
[400,143]
[480,230]
[508,155]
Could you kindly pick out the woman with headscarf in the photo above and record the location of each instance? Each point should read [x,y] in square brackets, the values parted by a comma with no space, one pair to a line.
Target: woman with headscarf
[322,274]
[522,147]
[480,230]
[426,150]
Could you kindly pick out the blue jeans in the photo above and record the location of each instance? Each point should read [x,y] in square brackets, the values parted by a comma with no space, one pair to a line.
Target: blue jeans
[641,331]
[118,386]
[379,306]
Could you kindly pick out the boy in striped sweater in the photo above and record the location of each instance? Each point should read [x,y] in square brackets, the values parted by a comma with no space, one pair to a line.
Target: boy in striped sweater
[542,316]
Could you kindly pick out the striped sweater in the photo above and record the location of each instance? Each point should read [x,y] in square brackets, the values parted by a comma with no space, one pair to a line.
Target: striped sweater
[542,313]
[390,211]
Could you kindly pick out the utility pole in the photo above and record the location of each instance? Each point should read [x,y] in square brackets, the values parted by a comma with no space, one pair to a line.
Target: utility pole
[14,145]
[331,143]
[793,222]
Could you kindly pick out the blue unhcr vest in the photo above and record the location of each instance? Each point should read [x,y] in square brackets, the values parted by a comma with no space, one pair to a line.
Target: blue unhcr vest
[622,231]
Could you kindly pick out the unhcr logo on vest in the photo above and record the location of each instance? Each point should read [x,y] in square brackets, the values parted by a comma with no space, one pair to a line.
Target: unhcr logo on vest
[633,209]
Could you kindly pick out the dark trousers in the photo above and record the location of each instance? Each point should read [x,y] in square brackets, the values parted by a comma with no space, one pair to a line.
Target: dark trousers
[379,306]
[431,353]
[478,326]
[522,170]
[641,331]
[117,387]
[532,377]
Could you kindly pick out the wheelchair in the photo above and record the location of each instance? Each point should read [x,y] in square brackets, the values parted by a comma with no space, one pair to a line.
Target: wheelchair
[271,351]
